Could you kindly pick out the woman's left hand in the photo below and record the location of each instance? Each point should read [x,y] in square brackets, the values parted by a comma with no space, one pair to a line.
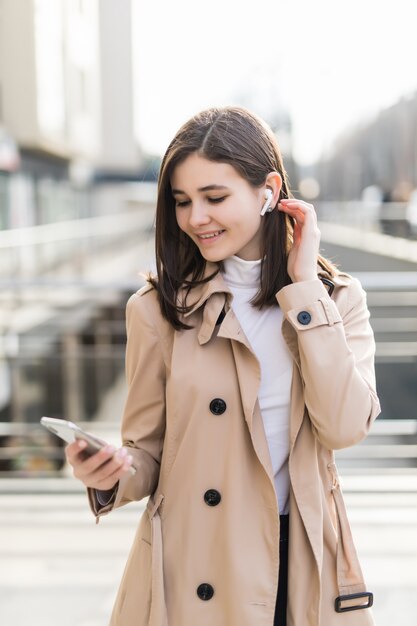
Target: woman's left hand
[302,259]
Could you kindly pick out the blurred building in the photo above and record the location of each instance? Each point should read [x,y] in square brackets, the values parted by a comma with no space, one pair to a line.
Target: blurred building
[66,101]
[67,141]
[381,153]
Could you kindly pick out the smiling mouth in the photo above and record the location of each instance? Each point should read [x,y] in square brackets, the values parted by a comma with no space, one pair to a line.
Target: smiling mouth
[211,235]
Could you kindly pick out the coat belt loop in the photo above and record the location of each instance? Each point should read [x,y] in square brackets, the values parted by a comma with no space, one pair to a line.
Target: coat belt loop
[327,311]
[153,506]
[349,573]
[158,615]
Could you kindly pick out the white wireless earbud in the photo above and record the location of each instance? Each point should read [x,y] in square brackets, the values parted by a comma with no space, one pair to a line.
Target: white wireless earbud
[266,207]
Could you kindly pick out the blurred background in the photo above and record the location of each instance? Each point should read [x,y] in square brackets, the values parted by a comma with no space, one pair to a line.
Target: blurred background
[91,93]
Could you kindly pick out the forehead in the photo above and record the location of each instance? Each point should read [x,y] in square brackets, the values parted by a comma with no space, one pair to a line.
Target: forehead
[197,171]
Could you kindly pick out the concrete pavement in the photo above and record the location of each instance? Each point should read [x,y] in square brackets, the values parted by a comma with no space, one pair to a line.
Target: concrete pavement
[58,567]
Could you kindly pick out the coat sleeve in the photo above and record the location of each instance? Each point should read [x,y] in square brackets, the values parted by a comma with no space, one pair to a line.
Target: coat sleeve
[336,359]
[143,421]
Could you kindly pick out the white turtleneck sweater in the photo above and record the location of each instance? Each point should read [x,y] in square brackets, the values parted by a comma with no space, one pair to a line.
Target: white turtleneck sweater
[263,331]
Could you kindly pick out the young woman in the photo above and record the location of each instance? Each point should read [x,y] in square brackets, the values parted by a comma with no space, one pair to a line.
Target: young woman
[250,358]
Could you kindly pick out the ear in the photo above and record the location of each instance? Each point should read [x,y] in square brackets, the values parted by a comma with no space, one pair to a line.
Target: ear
[274,181]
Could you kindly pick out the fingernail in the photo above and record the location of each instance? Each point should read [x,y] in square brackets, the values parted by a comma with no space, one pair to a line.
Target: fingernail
[110,449]
[82,444]
[128,463]
[121,453]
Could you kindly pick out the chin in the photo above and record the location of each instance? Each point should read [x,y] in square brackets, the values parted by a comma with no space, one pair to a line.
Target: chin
[215,256]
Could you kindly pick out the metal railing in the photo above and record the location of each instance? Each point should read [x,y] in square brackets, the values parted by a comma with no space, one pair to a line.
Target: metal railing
[27,253]
[390,446]
[35,452]
[390,218]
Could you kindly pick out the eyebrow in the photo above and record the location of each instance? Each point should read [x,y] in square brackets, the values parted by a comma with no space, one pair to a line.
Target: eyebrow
[206,188]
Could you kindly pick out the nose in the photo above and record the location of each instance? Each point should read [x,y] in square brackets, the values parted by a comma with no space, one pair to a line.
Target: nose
[198,215]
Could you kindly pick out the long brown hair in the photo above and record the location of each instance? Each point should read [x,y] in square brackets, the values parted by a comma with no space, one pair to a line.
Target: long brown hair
[236,136]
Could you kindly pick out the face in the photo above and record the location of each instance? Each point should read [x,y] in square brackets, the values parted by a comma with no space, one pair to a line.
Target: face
[217,208]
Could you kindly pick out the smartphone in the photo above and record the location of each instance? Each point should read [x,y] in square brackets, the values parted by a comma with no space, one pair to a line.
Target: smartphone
[69,432]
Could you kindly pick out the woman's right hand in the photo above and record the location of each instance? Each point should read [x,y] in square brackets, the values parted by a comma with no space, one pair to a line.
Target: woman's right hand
[103,469]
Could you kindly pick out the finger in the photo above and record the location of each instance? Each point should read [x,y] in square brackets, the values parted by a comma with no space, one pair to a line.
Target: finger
[301,206]
[118,460]
[92,463]
[113,478]
[287,201]
[294,212]
[73,450]
[304,207]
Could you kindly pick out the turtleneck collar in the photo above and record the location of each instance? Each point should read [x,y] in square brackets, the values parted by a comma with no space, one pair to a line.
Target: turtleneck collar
[240,273]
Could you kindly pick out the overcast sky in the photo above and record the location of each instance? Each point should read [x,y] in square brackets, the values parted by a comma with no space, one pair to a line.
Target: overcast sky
[330,63]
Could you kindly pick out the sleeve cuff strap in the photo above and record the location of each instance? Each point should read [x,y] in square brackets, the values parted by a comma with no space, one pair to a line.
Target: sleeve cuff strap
[307,304]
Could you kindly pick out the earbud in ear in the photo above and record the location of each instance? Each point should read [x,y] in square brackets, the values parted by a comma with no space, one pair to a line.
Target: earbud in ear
[266,207]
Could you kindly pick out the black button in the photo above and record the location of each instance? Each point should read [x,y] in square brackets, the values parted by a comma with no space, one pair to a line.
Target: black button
[212,497]
[304,318]
[217,406]
[205,591]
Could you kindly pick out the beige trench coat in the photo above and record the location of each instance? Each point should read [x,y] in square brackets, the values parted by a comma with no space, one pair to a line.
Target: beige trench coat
[182,449]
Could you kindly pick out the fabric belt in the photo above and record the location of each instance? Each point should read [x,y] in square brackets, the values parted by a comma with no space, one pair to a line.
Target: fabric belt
[158,614]
[350,579]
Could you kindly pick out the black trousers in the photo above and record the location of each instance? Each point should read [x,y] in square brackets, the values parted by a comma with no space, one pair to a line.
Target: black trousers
[280,618]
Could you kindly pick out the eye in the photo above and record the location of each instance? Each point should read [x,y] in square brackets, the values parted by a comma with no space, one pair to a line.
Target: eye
[217,200]
[183,203]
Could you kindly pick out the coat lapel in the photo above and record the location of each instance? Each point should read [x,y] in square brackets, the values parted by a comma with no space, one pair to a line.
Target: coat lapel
[214,297]
[249,377]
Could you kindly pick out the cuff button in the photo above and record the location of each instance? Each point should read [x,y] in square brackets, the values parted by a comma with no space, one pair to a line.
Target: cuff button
[304,318]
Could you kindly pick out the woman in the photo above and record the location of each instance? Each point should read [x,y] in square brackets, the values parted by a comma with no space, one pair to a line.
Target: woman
[250,358]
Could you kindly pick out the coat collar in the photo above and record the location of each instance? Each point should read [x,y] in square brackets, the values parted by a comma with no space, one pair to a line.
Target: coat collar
[201,293]
[215,297]
[212,297]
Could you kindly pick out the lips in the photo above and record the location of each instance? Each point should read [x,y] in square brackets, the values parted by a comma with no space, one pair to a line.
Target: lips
[209,236]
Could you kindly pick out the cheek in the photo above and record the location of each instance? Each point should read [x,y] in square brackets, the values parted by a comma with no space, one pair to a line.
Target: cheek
[181,221]
[251,219]
[245,214]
